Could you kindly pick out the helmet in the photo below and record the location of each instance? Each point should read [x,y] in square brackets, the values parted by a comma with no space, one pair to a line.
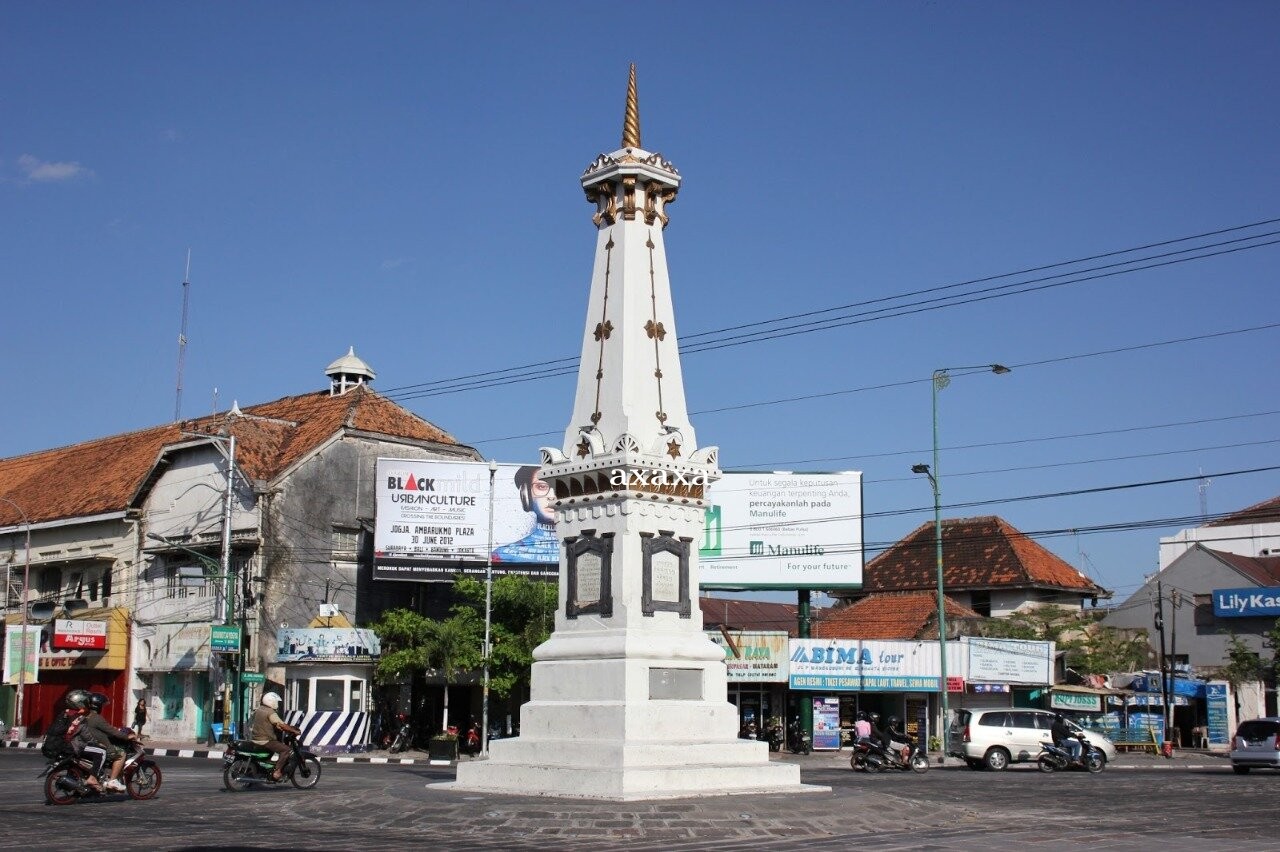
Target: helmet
[77,699]
[862,715]
[1058,717]
[271,700]
[874,717]
[97,701]
[893,721]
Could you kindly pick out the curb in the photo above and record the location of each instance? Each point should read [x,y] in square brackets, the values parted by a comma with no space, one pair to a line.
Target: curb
[218,754]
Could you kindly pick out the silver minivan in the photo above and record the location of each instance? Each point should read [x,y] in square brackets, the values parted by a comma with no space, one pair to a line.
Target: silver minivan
[1256,745]
[996,738]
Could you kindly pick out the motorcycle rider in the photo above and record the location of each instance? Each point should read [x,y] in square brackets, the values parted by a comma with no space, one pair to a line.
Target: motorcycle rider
[266,722]
[895,735]
[1065,738]
[861,727]
[95,732]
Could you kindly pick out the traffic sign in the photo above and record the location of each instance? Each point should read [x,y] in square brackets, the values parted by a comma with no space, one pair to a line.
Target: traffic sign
[224,638]
[252,677]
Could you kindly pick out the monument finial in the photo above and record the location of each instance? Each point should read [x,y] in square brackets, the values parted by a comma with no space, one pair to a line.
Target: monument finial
[631,121]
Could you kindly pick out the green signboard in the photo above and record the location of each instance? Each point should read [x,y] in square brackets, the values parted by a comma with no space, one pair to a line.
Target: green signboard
[224,638]
[253,677]
[1076,701]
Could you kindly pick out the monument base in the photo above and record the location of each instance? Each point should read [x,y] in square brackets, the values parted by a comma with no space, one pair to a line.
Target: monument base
[579,769]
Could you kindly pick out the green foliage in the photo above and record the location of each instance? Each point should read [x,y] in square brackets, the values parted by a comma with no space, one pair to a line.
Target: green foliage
[1090,648]
[523,614]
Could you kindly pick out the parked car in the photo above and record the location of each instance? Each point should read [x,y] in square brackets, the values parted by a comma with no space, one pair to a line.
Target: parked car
[996,738]
[1256,744]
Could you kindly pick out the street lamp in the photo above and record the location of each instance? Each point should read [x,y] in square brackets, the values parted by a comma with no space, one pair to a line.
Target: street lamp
[26,585]
[488,615]
[941,378]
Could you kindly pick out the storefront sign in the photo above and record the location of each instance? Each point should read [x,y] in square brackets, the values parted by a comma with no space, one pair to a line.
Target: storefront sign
[955,684]
[79,635]
[252,677]
[783,531]
[1246,603]
[1010,661]
[857,665]
[1079,701]
[754,656]
[327,645]
[989,688]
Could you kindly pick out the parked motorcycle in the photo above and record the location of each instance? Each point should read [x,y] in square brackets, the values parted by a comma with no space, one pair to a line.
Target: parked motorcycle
[66,779]
[775,736]
[246,763]
[798,740]
[469,743]
[1052,757]
[404,737]
[870,756]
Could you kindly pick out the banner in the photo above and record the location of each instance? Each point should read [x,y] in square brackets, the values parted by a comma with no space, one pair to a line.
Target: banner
[1246,603]
[327,645]
[783,531]
[433,520]
[15,660]
[1010,660]
[754,655]
[74,635]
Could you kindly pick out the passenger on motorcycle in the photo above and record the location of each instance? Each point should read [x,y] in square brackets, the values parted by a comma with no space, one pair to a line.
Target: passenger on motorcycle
[266,721]
[861,727]
[1065,738]
[95,733]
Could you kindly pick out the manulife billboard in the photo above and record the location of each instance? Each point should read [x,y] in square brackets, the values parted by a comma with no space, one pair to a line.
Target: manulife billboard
[783,531]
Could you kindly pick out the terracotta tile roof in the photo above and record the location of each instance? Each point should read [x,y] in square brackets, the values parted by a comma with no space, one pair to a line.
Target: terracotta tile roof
[735,614]
[978,553]
[1266,512]
[1263,570]
[104,475]
[889,616]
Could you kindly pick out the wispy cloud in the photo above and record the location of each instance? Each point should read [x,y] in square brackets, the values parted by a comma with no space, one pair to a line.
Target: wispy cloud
[395,263]
[40,171]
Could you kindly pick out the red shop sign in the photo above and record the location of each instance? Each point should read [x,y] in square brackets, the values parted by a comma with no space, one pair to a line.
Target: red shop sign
[955,684]
[71,635]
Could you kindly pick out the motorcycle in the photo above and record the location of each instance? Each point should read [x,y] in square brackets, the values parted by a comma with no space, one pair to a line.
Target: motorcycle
[404,737]
[775,736]
[246,763]
[66,779]
[870,756]
[470,743]
[1052,757]
[798,740]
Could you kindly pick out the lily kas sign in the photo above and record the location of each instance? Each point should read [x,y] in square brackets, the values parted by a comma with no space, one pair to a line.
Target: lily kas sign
[71,635]
[1246,603]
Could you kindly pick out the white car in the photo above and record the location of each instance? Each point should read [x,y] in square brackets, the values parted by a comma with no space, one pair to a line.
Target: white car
[996,738]
[1256,745]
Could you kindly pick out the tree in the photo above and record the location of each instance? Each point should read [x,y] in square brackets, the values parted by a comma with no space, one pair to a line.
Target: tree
[522,616]
[1088,646]
[412,644]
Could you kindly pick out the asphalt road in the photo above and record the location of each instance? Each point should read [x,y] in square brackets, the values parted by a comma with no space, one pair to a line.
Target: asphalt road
[372,807]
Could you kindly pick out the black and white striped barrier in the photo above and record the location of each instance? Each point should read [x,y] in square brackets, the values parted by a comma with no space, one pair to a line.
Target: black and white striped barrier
[332,732]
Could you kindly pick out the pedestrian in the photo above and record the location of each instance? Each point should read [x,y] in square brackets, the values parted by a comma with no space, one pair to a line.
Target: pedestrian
[139,717]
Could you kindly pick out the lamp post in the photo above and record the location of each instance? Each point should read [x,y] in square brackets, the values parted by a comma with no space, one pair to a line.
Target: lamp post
[26,585]
[941,378]
[488,615]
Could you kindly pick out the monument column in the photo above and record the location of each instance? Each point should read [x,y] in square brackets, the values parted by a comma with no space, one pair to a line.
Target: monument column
[628,695]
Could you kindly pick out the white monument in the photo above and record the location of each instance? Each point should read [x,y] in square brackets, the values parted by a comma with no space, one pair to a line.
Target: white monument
[628,696]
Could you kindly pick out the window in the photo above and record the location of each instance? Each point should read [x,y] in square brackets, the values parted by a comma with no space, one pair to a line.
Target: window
[1023,720]
[331,694]
[345,540]
[980,602]
[994,720]
[1044,721]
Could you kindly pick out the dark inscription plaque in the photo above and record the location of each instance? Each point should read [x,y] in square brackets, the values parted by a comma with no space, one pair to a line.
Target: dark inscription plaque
[666,573]
[589,561]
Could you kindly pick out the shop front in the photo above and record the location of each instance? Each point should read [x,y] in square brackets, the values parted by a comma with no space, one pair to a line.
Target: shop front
[327,674]
[89,652]
[756,661]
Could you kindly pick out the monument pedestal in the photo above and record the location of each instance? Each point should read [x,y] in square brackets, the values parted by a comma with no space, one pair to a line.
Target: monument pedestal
[622,728]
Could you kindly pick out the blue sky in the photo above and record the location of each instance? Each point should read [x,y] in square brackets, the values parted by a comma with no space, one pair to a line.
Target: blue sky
[403,177]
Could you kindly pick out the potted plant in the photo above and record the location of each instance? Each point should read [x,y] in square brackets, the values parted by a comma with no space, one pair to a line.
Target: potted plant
[443,747]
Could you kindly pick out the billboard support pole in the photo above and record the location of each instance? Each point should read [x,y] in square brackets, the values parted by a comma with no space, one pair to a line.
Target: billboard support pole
[488,615]
[804,628]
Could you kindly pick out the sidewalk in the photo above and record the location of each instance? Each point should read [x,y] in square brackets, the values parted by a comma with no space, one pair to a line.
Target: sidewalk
[1190,759]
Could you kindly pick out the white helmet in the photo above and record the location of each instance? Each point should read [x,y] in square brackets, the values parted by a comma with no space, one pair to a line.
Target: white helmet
[271,700]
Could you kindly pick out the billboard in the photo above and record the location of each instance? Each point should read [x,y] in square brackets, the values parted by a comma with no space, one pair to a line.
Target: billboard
[20,655]
[783,531]
[754,655]
[1010,660]
[433,520]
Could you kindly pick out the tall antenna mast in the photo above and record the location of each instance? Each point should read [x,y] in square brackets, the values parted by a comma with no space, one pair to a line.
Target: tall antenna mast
[182,337]
[1203,488]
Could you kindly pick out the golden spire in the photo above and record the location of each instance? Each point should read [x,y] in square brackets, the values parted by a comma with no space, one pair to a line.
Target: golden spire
[631,121]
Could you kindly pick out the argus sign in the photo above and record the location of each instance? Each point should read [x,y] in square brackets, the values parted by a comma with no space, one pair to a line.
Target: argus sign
[1246,603]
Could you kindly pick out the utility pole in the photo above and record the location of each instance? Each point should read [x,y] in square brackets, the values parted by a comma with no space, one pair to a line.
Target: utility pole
[1164,682]
[1174,601]
[231,686]
[488,616]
